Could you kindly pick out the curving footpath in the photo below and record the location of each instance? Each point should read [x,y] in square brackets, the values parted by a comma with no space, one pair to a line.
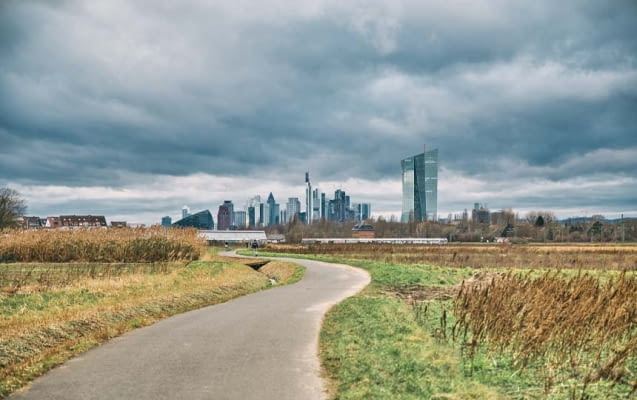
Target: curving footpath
[260,346]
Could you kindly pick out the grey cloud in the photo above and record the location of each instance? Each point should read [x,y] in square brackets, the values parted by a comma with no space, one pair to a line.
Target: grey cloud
[343,90]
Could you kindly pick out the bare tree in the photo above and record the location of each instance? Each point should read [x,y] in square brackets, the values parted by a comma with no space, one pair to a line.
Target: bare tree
[12,206]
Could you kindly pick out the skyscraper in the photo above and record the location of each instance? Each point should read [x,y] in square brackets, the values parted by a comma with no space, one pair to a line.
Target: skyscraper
[273,211]
[255,211]
[230,206]
[292,209]
[309,204]
[223,217]
[420,187]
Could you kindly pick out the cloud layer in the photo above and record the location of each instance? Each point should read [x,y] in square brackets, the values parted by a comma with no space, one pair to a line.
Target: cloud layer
[531,105]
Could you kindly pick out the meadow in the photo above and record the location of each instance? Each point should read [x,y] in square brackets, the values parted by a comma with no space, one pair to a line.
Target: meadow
[524,322]
[102,283]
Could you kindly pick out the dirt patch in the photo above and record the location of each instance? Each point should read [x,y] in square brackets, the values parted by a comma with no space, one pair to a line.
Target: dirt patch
[421,293]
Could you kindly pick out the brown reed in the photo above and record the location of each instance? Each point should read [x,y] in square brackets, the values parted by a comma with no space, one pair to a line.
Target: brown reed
[578,324]
[100,245]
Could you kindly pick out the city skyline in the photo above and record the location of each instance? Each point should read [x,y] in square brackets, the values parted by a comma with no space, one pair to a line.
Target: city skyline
[114,110]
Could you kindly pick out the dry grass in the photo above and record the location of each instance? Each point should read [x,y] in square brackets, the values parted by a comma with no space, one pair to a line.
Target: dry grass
[280,271]
[579,327]
[585,256]
[100,245]
[60,310]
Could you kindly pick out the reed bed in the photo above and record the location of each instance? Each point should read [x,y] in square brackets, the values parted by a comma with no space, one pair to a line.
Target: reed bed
[579,328]
[586,256]
[100,245]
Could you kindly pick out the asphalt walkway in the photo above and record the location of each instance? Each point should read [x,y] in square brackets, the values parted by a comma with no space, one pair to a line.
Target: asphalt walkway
[261,346]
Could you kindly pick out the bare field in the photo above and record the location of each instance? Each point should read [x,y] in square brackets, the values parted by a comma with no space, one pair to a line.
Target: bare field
[550,256]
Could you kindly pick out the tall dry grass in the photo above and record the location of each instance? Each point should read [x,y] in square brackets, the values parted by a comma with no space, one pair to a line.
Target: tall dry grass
[586,256]
[579,327]
[100,245]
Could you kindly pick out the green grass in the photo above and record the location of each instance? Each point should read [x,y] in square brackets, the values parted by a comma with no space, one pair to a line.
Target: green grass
[372,348]
[382,344]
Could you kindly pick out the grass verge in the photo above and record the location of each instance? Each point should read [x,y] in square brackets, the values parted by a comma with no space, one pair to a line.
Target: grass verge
[396,340]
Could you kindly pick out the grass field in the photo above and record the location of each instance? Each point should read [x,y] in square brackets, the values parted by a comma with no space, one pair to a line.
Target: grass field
[50,311]
[520,333]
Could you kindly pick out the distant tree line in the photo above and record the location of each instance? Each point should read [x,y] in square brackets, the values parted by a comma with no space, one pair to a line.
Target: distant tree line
[536,226]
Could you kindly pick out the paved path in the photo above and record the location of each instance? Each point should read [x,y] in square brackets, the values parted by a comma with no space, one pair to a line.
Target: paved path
[261,346]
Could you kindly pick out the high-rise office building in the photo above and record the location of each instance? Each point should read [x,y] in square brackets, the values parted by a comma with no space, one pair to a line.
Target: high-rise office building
[420,187]
[292,209]
[255,214]
[362,211]
[309,204]
[223,218]
[230,206]
[273,211]
[317,205]
[185,211]
[240,219]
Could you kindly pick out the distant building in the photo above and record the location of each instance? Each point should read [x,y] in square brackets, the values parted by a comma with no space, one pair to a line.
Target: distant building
[255,211]
[317,205]
[240,219]
[223,218]
[273,210]
[252,220]
[363,211]
[53,222]
[118,224]
[420,187]
[166,221]
[276,238]
[309,197]
[215,237]
[31,223]
[292,209]
[86,221]
[363,231]
[480,214]
[201,220]
[230,206]
[185,211]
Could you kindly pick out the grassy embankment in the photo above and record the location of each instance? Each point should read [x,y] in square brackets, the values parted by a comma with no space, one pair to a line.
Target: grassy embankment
[103,285]
[523,333]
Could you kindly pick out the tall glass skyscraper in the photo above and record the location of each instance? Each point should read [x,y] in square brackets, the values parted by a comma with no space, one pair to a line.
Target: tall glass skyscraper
[420,187]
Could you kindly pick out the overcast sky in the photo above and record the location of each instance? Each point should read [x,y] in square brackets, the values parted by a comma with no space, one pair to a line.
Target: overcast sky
[132,109]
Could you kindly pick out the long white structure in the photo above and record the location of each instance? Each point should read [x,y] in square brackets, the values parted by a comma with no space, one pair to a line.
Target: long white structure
[375,240]
[233,236]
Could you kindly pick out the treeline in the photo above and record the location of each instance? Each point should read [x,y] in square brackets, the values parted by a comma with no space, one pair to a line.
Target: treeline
[534,227]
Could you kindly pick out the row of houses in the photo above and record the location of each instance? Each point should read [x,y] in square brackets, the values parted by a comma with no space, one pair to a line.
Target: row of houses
[69,221]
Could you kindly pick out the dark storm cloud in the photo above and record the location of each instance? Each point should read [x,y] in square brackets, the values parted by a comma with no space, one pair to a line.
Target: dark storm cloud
[102,94]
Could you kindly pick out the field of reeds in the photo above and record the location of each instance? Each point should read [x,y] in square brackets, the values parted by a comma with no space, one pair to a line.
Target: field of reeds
[100,245]
[527,321]
[553,256]
[580,329]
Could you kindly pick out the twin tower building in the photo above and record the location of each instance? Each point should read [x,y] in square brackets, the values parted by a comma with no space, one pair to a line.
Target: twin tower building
[420,187]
